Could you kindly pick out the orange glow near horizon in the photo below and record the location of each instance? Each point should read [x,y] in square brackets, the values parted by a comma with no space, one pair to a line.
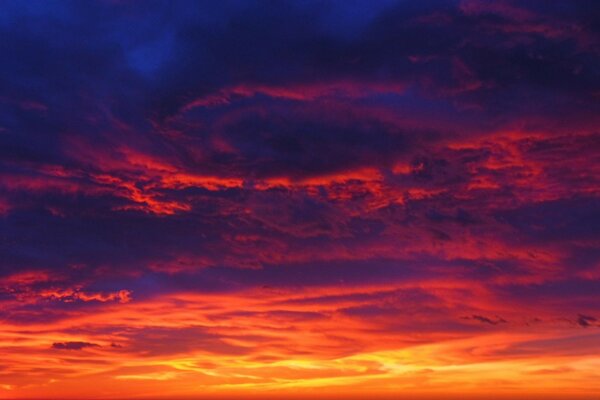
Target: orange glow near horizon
[262,342]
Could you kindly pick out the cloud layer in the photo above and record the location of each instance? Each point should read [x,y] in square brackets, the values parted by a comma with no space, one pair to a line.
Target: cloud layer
[280,198]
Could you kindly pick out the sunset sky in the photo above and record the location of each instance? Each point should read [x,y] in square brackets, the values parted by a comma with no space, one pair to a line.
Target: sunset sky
[299,199]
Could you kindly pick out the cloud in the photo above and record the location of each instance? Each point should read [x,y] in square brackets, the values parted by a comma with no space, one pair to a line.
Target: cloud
[487,320]
[73,345]
[270,195]
[585,320]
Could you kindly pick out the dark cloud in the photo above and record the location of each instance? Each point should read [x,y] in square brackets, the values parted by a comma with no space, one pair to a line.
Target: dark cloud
[487,320]
[585,320]
[73,345]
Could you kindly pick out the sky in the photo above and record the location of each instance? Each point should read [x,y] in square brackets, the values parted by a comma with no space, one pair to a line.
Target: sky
[292,199]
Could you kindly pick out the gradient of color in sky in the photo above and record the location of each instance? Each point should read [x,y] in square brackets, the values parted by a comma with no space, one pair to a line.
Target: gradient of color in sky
[299,198]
